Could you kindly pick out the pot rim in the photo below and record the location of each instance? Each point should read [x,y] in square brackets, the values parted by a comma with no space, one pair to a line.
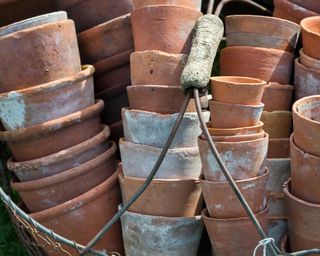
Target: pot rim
[285,3]
[260,50]
[259,125]
[132,110]
[144,86]
[278,86]
[226,79]
[277,112]
[266,136]
[279,139]
[216,138]
[308,69]
[305,154]
[261,105]
[306,56]
[164,6]
[303,100]
[162,53]
[305,22]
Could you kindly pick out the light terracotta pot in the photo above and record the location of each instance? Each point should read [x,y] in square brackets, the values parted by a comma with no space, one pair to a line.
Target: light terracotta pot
[308,61]
[236,138]
[270,65]
[308,4]
[156,67]
[163,27]
[195,4]
[261,31]
[55,135]
[237,90]
[279,148]
[244,160]
[226,115]
[311,36]
[278,124]
[235,131]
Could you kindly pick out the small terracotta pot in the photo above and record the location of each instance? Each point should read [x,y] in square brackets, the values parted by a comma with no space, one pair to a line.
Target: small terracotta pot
[41,54]
[261,31]
[55,135]
[308,61]
[306,125]
[156,67]
[93,210]
[311,36]
[178,236]
[272,65]
[236,138]
[240,232]
[278,229]
[279,148]
[179,163]
[244,160]
[222,202]
[277,97]
[278,124]
[235,131]
[226,115]
[303,220]
[308,4]
[163,27]
[237,90]
[195,4]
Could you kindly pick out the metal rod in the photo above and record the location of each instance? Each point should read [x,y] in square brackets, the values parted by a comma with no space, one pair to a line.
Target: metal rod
[210,7]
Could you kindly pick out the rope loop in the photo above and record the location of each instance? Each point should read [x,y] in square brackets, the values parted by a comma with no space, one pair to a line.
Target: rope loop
[263,243]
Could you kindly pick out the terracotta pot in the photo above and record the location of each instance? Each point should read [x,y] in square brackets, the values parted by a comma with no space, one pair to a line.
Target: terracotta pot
[222,202]
[236,138]
[272,65]
[195,4]
[278,229]
[308,61]
[55,135]
[235,131]
[244,160]
[156,67]
[261,31]
[153,129]
[303,220]
[279,148]
[41,54]
[233,230]
[93,210]
[178,236]
[311,36]
[304,174]
[226,115]
[116,33]
[116,133]
[308,4]
[88,14]
[277,97]
[63,160]
[163,197]
[164,27]
[45,102]
[179,163]
[278,124]
[306,125]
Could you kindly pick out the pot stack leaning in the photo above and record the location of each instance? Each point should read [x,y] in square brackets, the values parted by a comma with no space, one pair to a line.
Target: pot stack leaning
[168,212]
[63,162]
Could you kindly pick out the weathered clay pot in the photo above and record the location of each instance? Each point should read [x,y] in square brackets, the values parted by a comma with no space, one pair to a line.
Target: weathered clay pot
[41,54]
[178,236]
[156,67]
[306,124]
[308,61]
[88,14]
[237,89]
[235,131]
[279,148]
[278,229]
[163,27]
[116,133]
[45,102]
[153,129]
[303,221]
[305,174]
[195,4]
[277,97]
[272,65]
[278,124]
[311,36]
[226,115]
[179,163]
[55,135]
[238,235]
[261,31]
[308,4]
[236,138]
[244,160]
[93,210]
[222,202]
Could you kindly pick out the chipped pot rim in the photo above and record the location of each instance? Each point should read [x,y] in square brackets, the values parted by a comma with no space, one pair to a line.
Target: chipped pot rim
[305,154]
[278,86]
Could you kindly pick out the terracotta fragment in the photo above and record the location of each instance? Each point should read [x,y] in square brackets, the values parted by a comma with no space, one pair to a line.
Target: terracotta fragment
[278,124]
[279,148]
[277,97]
[195,4]
[311,36]
[235,131]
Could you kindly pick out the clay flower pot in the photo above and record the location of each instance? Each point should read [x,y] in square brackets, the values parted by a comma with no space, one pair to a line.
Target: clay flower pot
[279,148]
[308,4]
[308,61]
[235,131]
[163,27]
[63,160]
[277,97]
[93,210]
[55,135]
[261,31]
[311,36]
[278,229]
[195,4]
[278,124]
[178,236]
[306,125]
[41,54]
[150,128]
[156,67]
[240,232]
[226,115]
[222,202]
[270,65]
[303,221]
[244,160]
[179,163]
[236,138]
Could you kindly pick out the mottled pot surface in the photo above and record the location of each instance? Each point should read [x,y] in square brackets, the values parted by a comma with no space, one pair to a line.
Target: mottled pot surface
[308,61]
[308,4]
[235,131]
[277,97]
[279,148]
[278,229]
[195,4]
[278,124]
[311,36]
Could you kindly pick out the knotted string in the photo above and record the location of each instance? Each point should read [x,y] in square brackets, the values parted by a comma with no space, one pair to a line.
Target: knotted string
[264,243]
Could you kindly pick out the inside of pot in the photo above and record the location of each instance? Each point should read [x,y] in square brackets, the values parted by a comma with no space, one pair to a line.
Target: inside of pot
[313,26]
[310,110]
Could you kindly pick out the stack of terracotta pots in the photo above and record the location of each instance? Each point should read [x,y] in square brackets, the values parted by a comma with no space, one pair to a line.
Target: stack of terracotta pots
[64,165]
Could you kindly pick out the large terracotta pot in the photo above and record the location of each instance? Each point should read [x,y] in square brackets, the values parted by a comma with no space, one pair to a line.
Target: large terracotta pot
[278,124]
[270,65]
[55,135]
[308,4]
[308,61]
[311,36]
[195,4]
[261,31]
[235,131]
[277,97]
[279,148]
[93,210]
[164,27]
[41,54]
